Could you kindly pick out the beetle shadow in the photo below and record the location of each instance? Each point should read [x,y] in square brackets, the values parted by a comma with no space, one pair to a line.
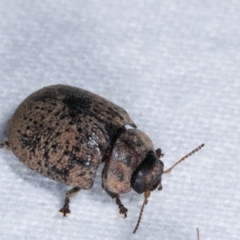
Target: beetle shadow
[33,178]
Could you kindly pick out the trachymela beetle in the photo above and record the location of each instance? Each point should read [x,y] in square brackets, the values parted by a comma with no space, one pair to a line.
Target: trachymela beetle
[65,133]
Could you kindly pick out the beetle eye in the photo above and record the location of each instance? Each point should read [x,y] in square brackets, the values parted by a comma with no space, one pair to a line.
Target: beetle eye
[148,174]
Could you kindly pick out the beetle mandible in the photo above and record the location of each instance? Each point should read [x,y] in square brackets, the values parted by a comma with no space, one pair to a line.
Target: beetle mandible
[65,133]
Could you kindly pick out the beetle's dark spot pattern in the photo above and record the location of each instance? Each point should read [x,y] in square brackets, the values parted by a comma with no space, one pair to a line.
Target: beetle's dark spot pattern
[57,113]
[46,156]
[62,117]
[119,175]
[61,172]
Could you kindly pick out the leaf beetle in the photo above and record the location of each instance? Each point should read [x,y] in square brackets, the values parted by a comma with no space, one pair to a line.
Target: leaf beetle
[65,133]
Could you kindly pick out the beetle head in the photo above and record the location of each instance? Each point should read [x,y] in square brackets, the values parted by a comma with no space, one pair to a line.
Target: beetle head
[148,174]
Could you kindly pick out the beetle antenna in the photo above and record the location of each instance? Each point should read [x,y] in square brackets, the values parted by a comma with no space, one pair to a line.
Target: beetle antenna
[183,158]
[198,237]
[146,196]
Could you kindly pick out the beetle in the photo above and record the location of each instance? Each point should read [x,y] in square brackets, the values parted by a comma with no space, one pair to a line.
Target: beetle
[65,133]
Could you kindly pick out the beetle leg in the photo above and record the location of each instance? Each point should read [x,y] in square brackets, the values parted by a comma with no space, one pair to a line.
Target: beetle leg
[6,145]
[159,153]
[65,209]
[69,194]
[122,210]
[160,186]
